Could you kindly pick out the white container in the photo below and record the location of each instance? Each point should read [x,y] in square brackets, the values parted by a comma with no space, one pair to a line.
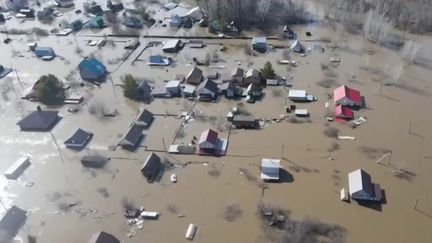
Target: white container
[190,232]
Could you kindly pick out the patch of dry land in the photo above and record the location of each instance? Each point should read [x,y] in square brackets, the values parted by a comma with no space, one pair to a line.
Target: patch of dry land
[222,195]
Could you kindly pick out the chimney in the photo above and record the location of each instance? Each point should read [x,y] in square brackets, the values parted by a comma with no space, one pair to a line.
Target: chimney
[39,108]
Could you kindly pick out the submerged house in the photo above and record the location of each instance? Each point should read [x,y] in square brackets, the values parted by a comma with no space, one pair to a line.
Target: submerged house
[78,140]
[195,76]
[259,44]
[230,90]
[97,22]
[92,70]
[270,169]
[173,87]
[300,96]
[237,75]
[133,138]
[298,47]
[288,33]
[103,237]
[151,167]
[144,91]
[39,121]
[343,112]
[4,71]
[2,18]
[244,121]
[76,25]
[362,188]
[207,90]
[132,22]
[346,96]
[210,143]
[45,15]
[172,46]
[252,76]
[144,119]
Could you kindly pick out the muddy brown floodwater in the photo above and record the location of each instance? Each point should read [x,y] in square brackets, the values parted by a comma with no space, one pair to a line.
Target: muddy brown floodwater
[68,203]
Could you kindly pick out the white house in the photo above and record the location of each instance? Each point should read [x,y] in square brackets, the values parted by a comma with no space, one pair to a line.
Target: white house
[270,169]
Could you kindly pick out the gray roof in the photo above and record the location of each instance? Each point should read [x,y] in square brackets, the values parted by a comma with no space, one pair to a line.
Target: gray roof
[260,39]
[270,169]
[152,163]
[144,86]
[145,118]
[39,121]
[245,118]
[12,221]
[195,76]
[237,72]
[209,86]
[79,139]
[132,137]
[103,237]
[171,44]
[359,180]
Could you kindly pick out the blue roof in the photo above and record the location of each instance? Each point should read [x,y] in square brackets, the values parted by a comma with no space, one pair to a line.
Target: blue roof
[156,59]
[132,22]
[92,70]
[44,51]
[97,22]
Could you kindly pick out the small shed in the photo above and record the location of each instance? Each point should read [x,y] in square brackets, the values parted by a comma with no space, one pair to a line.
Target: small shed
[132,138]
[92,70]
[151,167]
[79,139]
[298,47]
[300,96]
[343,112]
[94,161]
[195,76]
[196,44]
[44,52]
[39,121]
[4,71]
[259,44]
[361,186]
[172,46]
[17,168]
[145,118]
[245,121]
[103,237]
[270,169]
[346,96]
[12,221]
[76,25]
[189,90]
[173,87]
[132,22]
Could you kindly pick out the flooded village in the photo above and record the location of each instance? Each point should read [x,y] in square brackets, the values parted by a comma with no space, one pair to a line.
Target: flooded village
[151,121]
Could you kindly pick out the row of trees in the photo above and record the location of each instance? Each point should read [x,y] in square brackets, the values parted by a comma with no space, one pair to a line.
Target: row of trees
[255,12]
[407,15]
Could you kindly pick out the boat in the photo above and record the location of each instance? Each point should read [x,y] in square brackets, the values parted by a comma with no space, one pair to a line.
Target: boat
[173,178]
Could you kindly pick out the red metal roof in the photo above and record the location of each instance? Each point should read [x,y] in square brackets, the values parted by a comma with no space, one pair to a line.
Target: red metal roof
[210,136]
[343,112]
[344,91]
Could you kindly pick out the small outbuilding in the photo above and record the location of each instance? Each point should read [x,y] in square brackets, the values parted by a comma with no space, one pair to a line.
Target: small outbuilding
[4,71]
[78,140]
[94,161]
[210,143]
[173,87]
[195,76]
[346,96]
[300,96]
[172,46]
[97,22]
[12,221]
[133,138]
[176,21]
[144,119]
[361,187]
[151,167]
[46,52]
[92,70]
[237,75]
[189,90]
[132,22]
[270,169]
[244,121]
[17,168]
[298,47]
[259,44]
[39,121]
[65,3]
[103,237]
